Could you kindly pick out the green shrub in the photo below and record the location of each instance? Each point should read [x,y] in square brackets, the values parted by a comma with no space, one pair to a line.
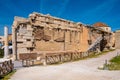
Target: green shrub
[115,63]
[116,60]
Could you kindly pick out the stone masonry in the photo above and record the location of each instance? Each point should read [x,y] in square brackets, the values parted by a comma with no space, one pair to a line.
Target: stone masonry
[117,39]
[46,33]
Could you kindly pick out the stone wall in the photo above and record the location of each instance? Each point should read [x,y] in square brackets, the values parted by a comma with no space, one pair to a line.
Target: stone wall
[117,39]
[46,33]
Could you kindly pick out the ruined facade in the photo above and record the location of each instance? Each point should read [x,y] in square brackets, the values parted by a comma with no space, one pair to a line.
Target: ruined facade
[46,33]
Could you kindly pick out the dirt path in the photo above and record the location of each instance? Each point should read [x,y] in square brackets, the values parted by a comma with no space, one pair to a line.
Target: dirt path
[78,70]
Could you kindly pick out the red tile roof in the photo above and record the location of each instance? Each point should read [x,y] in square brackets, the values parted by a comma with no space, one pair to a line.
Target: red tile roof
[100,24]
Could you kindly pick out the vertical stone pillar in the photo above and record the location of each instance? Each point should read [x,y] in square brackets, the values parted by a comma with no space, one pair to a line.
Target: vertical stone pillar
[14,43]
[78,36]
[52,34]
[6,51]
[67,36]
[70,36]
[44,59]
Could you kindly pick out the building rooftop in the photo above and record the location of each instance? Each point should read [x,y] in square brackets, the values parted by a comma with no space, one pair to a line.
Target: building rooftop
[100,24]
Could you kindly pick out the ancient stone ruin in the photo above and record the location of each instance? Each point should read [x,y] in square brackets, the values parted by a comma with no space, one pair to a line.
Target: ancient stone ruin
[44,33]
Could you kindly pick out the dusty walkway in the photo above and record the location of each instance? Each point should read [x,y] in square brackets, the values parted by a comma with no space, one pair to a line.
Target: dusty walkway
[79,70]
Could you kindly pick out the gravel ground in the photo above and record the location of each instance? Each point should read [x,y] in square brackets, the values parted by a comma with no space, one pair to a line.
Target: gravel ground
[78,70]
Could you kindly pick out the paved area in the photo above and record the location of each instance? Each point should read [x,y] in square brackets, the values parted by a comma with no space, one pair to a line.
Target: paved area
[78,70]
[18,64]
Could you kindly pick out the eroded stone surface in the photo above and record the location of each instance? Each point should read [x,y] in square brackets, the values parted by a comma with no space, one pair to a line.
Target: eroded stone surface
[46,33]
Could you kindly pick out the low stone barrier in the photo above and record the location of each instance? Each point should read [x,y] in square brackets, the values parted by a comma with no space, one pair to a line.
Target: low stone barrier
[28,58]
[6,66]
[56,57]
[51,57]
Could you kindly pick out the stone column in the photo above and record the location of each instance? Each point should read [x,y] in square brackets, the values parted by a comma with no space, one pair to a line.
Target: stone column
[67,36]
[14,43]
[52,34]
[78,36]
[44,59]
[6,50]
[70,36]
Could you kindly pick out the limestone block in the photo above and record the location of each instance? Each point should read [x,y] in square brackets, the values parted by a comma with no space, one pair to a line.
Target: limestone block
[22,31]
[25,32]
[47,19]
[28,37]
[29,44]
[67,36]
[54,25]
[21,45]
[29,28]
[42,18]
[42,24]
[38,18]
[71,24]
[56,34]
[25,45]
[28,33]
[55,21]
[22,50]
[48,46]
[20,40]
[47,32]
[37,22]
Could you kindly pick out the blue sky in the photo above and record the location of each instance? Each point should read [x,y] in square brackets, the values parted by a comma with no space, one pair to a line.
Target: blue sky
[85,11]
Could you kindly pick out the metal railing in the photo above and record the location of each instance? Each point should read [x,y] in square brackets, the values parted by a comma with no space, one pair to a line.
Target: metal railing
[95,43]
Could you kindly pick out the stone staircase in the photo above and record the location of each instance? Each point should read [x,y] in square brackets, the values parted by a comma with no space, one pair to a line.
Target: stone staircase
[93,46]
